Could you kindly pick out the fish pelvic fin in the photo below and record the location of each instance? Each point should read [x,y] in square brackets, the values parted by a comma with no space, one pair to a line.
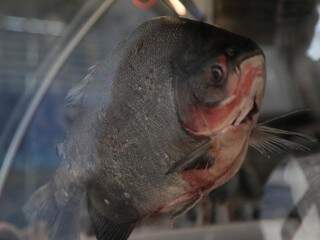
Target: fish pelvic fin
[268,140]
[105,229]
[61,220]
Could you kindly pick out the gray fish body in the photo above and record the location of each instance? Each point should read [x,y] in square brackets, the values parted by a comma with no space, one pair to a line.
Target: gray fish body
[121,148]
[131,116]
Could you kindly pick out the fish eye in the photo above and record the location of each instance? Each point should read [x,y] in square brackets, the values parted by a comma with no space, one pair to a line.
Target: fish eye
[217,76]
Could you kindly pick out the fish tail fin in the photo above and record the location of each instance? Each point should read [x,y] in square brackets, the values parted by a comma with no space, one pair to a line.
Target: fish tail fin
[61,221]
[106,229]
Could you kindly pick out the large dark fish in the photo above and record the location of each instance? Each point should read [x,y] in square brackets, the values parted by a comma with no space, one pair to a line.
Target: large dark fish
[167,120]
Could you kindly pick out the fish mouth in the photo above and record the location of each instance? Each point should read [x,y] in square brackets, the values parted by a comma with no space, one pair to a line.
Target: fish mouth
[249,116]
[254,88]
[247,97]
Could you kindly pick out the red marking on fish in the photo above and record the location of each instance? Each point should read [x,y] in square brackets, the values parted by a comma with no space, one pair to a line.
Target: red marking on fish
[249,75]
[211,119]
[204,179]
[197,178]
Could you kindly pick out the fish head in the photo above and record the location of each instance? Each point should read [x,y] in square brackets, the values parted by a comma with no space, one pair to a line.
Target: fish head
[218,95]
[223,87]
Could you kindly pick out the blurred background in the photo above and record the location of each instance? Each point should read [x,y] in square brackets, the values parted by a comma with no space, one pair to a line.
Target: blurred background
[46,47]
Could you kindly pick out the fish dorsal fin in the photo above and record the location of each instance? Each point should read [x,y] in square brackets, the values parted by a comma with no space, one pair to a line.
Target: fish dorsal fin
[76,94]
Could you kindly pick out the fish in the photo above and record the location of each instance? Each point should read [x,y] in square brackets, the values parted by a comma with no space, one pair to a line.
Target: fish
[167,118]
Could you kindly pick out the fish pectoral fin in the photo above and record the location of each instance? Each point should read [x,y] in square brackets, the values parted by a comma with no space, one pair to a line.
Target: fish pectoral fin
[268,140]
[191,159]
[105,229]
[186,207]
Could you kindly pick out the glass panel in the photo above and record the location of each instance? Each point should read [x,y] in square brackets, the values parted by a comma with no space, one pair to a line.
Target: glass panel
[48,47]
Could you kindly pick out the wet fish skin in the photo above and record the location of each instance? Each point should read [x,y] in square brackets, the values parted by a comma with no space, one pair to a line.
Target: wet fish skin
[129,127]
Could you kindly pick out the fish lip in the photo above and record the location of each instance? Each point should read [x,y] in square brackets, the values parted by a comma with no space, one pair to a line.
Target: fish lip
[249,117]
[252,113]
